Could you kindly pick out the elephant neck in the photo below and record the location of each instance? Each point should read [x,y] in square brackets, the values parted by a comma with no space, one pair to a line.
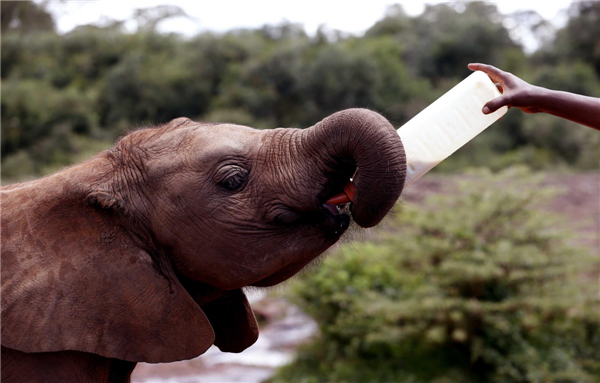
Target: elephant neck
[70,185]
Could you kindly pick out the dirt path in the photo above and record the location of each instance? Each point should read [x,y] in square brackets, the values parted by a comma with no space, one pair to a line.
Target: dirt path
[578,204]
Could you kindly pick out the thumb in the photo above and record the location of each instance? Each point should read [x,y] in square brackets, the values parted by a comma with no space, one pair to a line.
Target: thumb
[496,103]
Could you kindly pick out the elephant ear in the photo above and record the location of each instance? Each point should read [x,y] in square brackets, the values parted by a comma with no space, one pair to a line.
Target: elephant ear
[233,321]
[74,279]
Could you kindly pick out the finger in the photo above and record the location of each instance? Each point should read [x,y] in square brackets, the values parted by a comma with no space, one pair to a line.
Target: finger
[495,74]
[499,87]
[495,104]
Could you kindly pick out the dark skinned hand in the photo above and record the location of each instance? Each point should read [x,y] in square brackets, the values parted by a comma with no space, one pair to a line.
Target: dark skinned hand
[535,99]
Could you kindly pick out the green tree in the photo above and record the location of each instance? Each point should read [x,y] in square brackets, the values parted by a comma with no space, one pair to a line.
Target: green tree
[25,17]
[33,111]
[440,42]
[149,18]
[366,73]
[580,38]
[99,80]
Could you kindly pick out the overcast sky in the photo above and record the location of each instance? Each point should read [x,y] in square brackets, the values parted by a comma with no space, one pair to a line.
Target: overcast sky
[222,15]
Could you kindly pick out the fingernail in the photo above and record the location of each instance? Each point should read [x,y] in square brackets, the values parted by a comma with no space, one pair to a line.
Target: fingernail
[486,110]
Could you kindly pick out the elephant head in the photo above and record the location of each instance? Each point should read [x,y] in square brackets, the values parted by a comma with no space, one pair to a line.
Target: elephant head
[140,253]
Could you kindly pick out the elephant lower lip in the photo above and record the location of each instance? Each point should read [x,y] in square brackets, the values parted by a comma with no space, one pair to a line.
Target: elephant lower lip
[333,209]
[335,221]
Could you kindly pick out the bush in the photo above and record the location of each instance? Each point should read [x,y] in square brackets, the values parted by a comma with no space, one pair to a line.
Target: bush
[50,155]
[472,287]
[33,111]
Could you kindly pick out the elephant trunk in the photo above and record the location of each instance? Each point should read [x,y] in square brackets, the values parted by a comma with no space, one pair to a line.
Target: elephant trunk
[368,142]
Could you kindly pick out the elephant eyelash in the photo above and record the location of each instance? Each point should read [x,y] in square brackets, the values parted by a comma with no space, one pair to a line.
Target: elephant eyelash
[234,182]
[233,179]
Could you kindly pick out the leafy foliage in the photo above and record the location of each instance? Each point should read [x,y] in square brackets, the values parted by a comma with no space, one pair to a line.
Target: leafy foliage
[579,39]
[442,39]
[24,17]
[98,80]
[474,287]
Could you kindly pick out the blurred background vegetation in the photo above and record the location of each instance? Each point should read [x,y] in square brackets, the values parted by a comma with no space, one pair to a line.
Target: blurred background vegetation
[67,96]
[477,286]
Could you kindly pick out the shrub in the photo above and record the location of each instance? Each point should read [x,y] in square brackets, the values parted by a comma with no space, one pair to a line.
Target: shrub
[473,287]
[33,111]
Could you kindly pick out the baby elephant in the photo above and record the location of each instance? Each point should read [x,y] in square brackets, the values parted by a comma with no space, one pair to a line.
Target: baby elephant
[140,254]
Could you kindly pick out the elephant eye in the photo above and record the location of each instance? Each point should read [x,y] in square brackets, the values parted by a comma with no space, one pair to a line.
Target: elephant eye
[234,179]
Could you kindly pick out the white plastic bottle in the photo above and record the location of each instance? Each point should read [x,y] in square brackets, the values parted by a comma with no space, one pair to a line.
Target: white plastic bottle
[447,124]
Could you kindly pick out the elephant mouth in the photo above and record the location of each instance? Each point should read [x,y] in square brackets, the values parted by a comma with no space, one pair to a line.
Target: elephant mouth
[330,222]
[334,220]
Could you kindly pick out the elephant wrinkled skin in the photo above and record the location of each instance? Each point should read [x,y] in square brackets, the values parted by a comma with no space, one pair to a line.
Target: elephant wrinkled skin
[140,253]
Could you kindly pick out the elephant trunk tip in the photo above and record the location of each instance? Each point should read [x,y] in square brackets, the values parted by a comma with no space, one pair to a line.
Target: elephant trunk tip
[370,143]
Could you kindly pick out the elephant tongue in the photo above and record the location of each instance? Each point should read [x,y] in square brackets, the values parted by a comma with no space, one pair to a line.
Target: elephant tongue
[345,197]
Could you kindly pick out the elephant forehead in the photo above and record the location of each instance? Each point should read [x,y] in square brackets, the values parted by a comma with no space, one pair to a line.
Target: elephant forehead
[222,139]
[204,145]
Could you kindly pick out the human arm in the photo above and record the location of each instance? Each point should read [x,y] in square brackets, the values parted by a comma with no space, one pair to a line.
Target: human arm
[535,99]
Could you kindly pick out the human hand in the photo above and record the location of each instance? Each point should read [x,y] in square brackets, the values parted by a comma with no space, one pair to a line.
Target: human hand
[515,92]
